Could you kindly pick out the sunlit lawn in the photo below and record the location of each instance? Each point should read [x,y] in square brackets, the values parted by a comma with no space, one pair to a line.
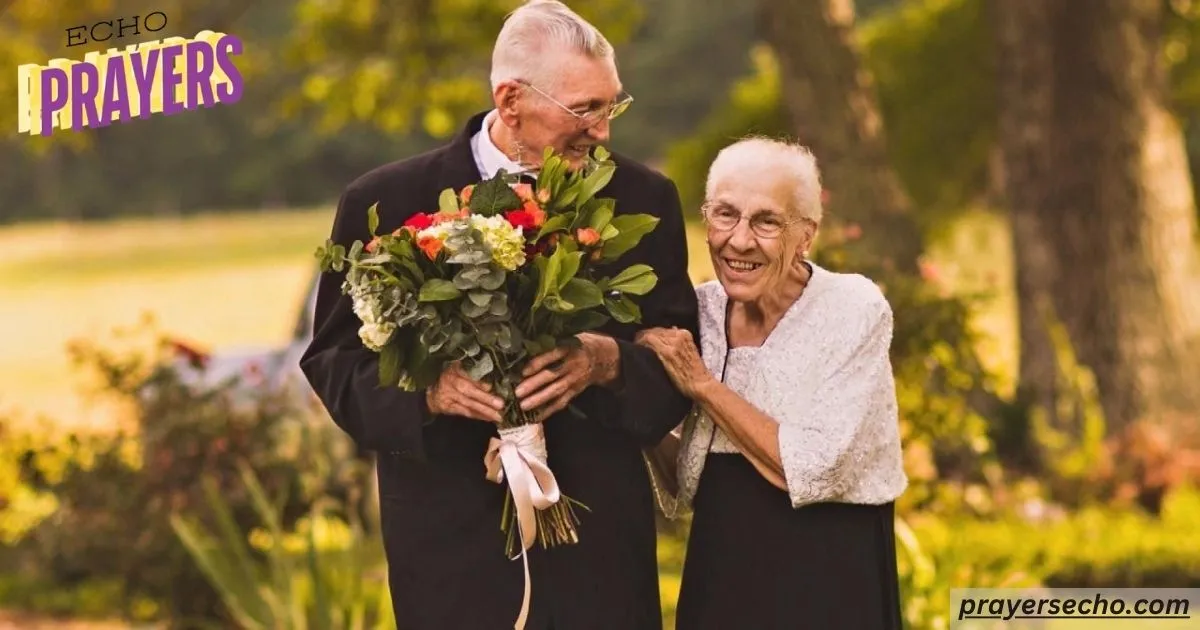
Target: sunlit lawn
[236,280]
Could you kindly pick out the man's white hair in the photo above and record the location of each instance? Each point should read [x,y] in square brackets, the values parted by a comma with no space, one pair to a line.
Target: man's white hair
[794,161]
[538,27]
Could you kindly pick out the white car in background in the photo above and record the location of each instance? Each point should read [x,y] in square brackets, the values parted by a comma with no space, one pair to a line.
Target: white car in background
[253,370]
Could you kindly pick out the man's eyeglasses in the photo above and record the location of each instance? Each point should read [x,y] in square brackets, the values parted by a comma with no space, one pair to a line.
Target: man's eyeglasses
[766,224]
[589,117]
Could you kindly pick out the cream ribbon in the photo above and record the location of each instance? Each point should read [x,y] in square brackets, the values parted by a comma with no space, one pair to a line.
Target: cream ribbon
[520,455]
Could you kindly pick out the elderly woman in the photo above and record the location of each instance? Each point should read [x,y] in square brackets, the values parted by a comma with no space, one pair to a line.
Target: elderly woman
[791,460]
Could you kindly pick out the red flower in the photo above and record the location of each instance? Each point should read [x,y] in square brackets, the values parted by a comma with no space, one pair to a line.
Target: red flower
[419,221]
[522,219]
[196,358]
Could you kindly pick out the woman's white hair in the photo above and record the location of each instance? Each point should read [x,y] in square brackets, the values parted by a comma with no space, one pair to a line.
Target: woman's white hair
[533,29]
[756,153]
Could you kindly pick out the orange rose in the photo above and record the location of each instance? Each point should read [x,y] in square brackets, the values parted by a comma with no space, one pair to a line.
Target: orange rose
[373,245]
[465,195]
[539,215]
[524,191]
[587,236]
[430,245]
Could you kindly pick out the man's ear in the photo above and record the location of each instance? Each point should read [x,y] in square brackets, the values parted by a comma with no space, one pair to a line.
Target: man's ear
[505,97]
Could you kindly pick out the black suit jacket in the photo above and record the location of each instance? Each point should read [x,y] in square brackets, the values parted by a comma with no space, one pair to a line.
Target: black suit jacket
[441,516]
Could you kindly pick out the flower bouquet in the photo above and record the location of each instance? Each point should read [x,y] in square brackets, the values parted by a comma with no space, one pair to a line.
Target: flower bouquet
[501,272]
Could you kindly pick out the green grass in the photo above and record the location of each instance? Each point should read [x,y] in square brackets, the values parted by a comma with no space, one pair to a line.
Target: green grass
[238,279]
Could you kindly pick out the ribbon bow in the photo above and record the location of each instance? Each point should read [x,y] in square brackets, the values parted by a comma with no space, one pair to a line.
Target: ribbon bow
[520,455]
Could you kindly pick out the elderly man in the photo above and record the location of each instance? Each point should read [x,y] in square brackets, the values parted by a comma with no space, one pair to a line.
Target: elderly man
[555,84]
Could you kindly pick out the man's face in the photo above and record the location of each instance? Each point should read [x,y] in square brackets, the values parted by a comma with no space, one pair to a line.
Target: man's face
[571,115]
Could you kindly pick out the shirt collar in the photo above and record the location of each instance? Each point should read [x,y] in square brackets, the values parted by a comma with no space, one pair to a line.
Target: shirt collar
[488,157]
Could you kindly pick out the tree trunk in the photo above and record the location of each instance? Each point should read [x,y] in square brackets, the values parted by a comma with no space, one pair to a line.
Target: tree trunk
[833,107]
[1120,208]
[1023,83]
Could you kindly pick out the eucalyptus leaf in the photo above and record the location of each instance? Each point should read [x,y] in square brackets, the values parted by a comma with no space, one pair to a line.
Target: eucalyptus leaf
[473,310]
[438,290]
[481,367]
[493,279]
[498,308]
[480,298]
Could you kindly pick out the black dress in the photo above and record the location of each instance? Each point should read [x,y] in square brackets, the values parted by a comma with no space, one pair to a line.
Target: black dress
[756,563]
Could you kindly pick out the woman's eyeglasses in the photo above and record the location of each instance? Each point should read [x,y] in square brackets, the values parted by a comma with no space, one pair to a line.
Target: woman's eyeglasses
[765,224]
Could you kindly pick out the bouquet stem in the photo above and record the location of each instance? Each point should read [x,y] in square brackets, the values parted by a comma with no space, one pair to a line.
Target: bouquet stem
[557,524]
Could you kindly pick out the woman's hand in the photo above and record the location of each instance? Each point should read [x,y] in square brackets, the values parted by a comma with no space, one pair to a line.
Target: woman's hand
[679,355]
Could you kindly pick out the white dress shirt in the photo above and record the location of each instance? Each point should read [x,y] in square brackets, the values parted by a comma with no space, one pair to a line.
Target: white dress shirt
[489,159]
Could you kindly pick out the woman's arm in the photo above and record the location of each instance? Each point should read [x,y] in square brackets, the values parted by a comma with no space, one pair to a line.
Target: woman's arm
[755,433]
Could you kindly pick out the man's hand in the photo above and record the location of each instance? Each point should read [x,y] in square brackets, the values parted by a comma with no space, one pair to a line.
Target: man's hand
[457,394]
[553,379]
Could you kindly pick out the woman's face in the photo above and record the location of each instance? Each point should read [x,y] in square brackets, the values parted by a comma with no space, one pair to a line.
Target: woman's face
[752,239]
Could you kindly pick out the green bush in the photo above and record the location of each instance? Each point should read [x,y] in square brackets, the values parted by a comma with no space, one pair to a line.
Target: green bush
[326,574]
[104,500]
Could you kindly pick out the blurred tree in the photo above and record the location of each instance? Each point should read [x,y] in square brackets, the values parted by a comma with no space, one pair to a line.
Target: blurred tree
[834,110]
[396,63]
[1116,199]
[1023,82]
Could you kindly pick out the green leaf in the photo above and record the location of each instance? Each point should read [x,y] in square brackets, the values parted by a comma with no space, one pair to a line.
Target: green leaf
[373,218]
[585,320]
[555,223]
[438,290]
[635,280]
[568,267]
[595,182]
[556,304]
[582,294]
[608,232]
[448,201]
[492,196]
[601,216]
[548,275]
[623,309]
[391,359]
[632,228]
